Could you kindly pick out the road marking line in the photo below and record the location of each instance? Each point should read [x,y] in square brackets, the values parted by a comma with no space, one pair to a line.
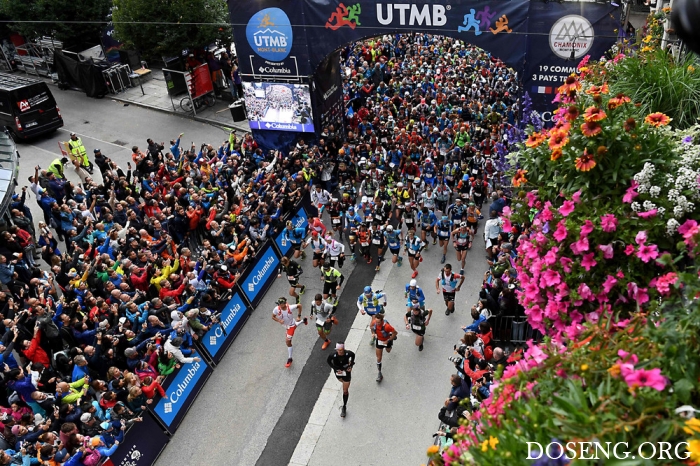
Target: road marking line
[323,408]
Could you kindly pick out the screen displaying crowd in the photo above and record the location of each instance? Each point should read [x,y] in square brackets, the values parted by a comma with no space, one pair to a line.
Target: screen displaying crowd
[106,293]
[278,103]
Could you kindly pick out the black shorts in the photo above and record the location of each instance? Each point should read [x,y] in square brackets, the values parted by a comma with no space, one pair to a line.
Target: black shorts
[448,296]
[329,288]
[326,326]
[345,378]
[419,332]
[443,238]
[294,282]
[381,245]
[318,256]
[461,247]
[473,224]
[389,344]
[296,246]
[395,251]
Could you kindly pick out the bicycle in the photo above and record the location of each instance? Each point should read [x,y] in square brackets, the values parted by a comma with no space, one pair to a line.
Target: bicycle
[188,104]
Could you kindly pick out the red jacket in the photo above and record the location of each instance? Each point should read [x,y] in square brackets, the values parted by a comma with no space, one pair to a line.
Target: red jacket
[139,279]
[36,353]
[174,293]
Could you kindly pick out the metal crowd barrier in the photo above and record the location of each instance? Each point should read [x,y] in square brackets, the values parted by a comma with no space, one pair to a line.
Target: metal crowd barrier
[515,330]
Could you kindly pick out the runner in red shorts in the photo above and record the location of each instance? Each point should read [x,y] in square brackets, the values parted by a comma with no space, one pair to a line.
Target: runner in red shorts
[284,314]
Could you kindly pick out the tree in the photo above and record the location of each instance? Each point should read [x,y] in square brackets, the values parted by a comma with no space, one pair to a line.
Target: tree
[157,40]
[54,16]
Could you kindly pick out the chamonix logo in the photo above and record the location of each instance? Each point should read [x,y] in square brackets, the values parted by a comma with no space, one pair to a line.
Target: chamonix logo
[571,32]
[269,33]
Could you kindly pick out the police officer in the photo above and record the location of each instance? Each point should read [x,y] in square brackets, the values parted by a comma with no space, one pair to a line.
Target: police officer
[78,153]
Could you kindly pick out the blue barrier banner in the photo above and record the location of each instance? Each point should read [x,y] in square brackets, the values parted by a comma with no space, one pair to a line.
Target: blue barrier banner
[300,220]
[181,388]
[259,275]
[232,318]
[142,444]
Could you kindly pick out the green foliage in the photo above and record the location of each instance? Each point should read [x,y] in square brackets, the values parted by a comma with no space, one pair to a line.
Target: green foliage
[57,12]
[157,40]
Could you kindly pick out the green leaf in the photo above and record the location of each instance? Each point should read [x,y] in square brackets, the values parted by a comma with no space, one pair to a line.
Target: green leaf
[683,388]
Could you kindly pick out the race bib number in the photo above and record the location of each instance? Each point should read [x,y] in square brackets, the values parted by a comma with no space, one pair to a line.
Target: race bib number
[376,241]
[475,171]
[477,194]
[341,373]
[393,245]
[410,177]
[417,327]
[364,244]
[336,221]
[291,277]
[409,221]
[443,234]
[380,342]
[464,195]
[392,164]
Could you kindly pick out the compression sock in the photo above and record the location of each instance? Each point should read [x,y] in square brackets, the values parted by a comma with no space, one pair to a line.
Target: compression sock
[289,350]
[379,366]
[345,399]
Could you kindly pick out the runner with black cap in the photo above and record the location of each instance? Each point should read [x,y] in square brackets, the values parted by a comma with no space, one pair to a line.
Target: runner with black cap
[416,319]
[332,281]
[341,361]
[283,313]
[293,271]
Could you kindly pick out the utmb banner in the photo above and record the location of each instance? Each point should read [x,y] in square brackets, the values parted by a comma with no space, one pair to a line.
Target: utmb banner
[283,39]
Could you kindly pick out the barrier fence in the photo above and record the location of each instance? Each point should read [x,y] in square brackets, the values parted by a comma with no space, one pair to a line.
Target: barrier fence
[144,441]
[514,330]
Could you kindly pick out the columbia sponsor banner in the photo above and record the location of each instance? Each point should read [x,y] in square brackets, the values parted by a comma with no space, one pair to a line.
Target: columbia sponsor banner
[562,34]
[277,126]
[300,220]
[258,277]
[217,340]
[181,388]
[142,444]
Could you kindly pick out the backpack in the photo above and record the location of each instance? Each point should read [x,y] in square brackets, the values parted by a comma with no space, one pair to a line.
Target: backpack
[47,325]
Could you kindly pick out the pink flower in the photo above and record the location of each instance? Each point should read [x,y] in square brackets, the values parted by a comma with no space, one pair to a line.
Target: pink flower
[647,253]
[546,214]
[531,198]
[624,355]
[576,197]
[631,193]
[620,274]
[608,223]
[580,246]
[689,230]
[609,283]
[588,262]
[560,233]
[565,263]
[641,237]
[586,228]
[550,278]
[648,214]
[551,257]
[585,292]
[592,317]
[638,294]
[646,378]
[535,353]
[663,283]
[629,250]
[607,250]
[567,208]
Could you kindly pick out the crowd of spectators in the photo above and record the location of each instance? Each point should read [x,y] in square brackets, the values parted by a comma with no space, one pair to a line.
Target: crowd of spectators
[139,261]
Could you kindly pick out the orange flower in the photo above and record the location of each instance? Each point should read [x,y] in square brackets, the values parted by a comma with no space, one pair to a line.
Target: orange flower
[562,125]
[591,128]
[585,162]
[618,100]
[535,139]
[519,178]
[571,84]
[572,113]
[657,119]
[558,140]
[556,155]
[594,114]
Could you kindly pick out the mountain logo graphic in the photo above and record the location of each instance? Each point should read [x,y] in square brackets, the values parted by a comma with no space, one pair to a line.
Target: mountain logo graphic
[571,33]
[269,34]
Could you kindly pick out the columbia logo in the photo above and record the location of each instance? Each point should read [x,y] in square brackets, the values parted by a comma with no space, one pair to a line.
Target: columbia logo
[168,408]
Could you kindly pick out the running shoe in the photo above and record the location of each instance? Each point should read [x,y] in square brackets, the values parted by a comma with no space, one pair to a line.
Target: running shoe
[325,344]
[420,348]
[369,260]
[376,269]
[447,311]
[343,411]
[443,260]
[303,288]
[421,259]
[303,255]
[400,261]
[352,258]
[380,377]
[461,271]
[334,320]
[415,274]
[306,321]
[289,362]
[434,241]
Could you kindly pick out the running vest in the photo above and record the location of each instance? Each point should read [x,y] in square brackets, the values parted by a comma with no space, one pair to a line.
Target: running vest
[393,239]
[444,228]
[381,333]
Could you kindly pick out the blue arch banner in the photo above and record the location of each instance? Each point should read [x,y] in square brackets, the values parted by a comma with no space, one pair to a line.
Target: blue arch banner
[289,39]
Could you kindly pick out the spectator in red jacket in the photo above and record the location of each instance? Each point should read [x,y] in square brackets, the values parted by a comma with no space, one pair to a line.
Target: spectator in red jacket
[167,290]
[33,351]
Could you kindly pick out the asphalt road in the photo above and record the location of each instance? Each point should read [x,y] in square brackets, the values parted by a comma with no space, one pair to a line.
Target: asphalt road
[253,410]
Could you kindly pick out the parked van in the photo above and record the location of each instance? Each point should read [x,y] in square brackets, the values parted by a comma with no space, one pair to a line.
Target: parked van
[27,107]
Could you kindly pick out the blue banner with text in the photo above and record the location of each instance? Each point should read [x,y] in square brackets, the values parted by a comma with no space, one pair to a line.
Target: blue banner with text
[259,276]
[220,336]
[300,220]
[181,388]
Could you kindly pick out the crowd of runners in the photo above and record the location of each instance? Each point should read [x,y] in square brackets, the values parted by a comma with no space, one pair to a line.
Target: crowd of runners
[419,161]
[106,292]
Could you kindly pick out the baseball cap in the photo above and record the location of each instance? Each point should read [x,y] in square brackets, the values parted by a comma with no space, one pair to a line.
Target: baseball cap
[96,151]
[85,417]
[413,283]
